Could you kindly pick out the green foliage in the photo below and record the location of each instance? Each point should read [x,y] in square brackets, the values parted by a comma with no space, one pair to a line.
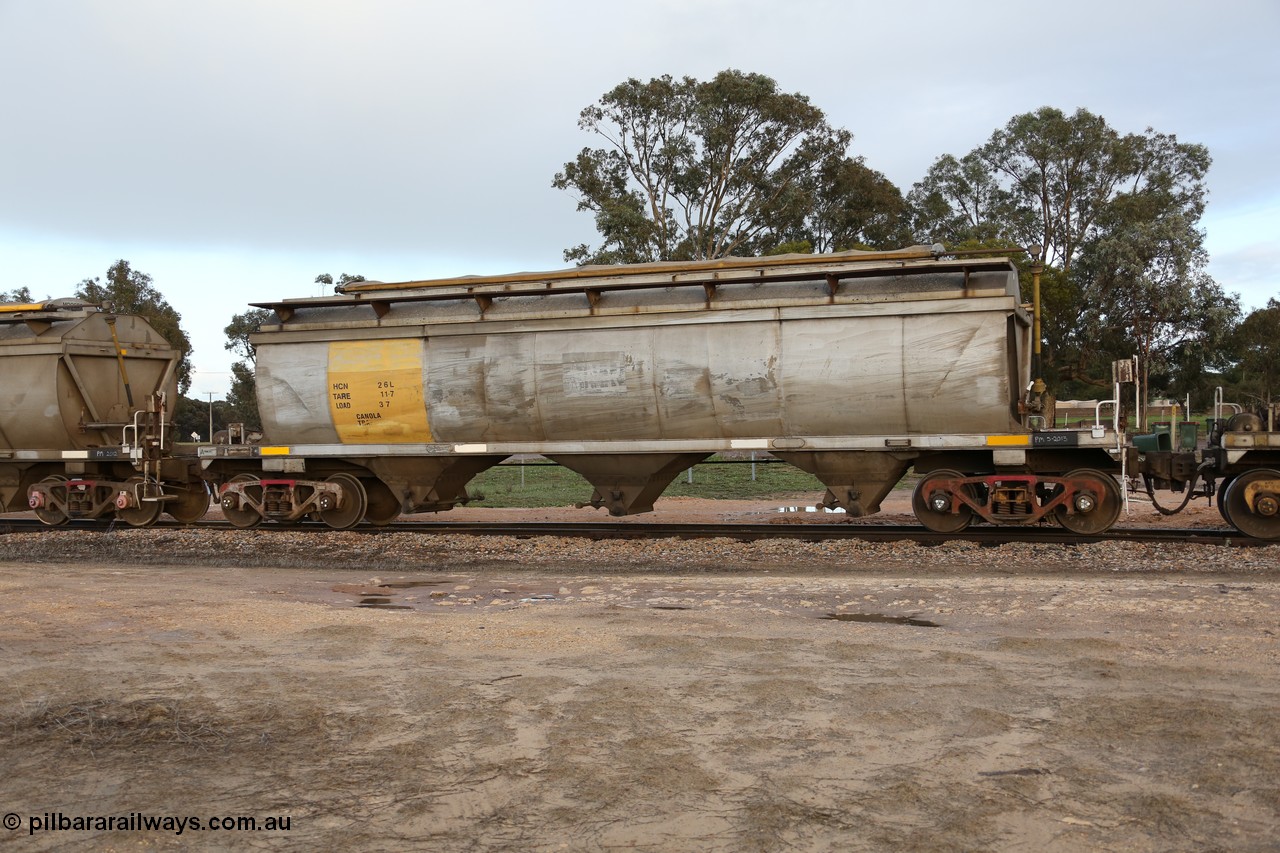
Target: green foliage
[192,416]
[1147,293]
[240,328]
[130,292]
[852,206]
[1116,220]
[1255,344]
[242,399]
[960,201]
[20,295]
[551,485]
[696,170]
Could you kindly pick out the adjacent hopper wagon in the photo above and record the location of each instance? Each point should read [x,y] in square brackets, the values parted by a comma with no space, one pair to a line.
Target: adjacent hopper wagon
[78,396]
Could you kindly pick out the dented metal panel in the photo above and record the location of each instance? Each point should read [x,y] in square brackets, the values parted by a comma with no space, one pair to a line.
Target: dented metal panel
[62,387]
[932,350]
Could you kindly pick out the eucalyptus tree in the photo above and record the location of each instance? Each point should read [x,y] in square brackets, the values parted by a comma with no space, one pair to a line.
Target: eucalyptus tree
[242,397]
[20,294]
[129,291]
[1255,347]
[1116,219]
[694,170]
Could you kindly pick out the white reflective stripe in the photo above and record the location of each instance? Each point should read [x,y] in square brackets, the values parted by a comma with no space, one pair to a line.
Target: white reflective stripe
[75,454]
[749,444]
[471,448]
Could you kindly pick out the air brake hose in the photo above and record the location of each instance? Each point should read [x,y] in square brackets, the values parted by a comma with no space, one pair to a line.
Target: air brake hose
[1186,499]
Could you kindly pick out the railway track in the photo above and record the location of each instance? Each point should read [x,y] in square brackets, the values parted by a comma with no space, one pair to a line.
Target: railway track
[981,534]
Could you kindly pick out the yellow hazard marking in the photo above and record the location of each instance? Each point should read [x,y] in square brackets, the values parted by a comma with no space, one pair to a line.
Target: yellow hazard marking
[375,392]
[273,451]
[1008,440]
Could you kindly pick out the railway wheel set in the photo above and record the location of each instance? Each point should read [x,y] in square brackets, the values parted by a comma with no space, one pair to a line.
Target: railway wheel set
[1250,503]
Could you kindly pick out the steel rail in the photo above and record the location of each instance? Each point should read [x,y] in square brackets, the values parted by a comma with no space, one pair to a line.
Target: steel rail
[981,534]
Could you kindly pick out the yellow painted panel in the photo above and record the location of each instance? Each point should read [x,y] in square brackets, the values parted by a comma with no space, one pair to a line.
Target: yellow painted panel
[273,451]
[1008,440]
[375,392]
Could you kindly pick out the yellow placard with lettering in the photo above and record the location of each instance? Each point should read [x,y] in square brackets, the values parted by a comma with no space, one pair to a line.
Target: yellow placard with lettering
[375,392]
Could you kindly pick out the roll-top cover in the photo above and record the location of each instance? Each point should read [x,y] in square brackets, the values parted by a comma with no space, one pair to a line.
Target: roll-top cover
[877,344]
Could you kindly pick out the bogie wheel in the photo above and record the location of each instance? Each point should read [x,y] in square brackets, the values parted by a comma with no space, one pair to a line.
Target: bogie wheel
[1096,509]
[1263,520]
[191,504]
[355,503]
[50,515]
[933,507]
[384,506]
[1222,500]
[146,512]
[245,517]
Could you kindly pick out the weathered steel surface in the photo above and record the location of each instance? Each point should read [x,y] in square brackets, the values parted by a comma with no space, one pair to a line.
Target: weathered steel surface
[922,348]
[61,384]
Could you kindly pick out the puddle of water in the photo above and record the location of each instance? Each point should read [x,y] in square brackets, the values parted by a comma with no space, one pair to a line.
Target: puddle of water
[831,510]
[379,602]
[881,618]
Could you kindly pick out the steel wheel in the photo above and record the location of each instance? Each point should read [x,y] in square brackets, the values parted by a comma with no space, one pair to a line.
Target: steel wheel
[933,507]
[1095,511]
[146,512]
[192,502]
[1263,520]
[50,515]
[1222,500]
[243,516]
[384,506]
[355,503]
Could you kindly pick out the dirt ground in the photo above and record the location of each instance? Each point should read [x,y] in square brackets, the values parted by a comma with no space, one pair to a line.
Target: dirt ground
[701,706]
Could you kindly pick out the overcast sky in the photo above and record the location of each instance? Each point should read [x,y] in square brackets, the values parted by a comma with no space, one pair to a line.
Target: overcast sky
[234,150]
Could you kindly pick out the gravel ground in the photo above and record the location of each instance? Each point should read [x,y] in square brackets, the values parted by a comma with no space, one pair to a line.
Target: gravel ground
[401,691]
[271,545]
[419,552]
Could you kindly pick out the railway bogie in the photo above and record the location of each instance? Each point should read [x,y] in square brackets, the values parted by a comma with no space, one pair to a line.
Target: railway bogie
[1084,501]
